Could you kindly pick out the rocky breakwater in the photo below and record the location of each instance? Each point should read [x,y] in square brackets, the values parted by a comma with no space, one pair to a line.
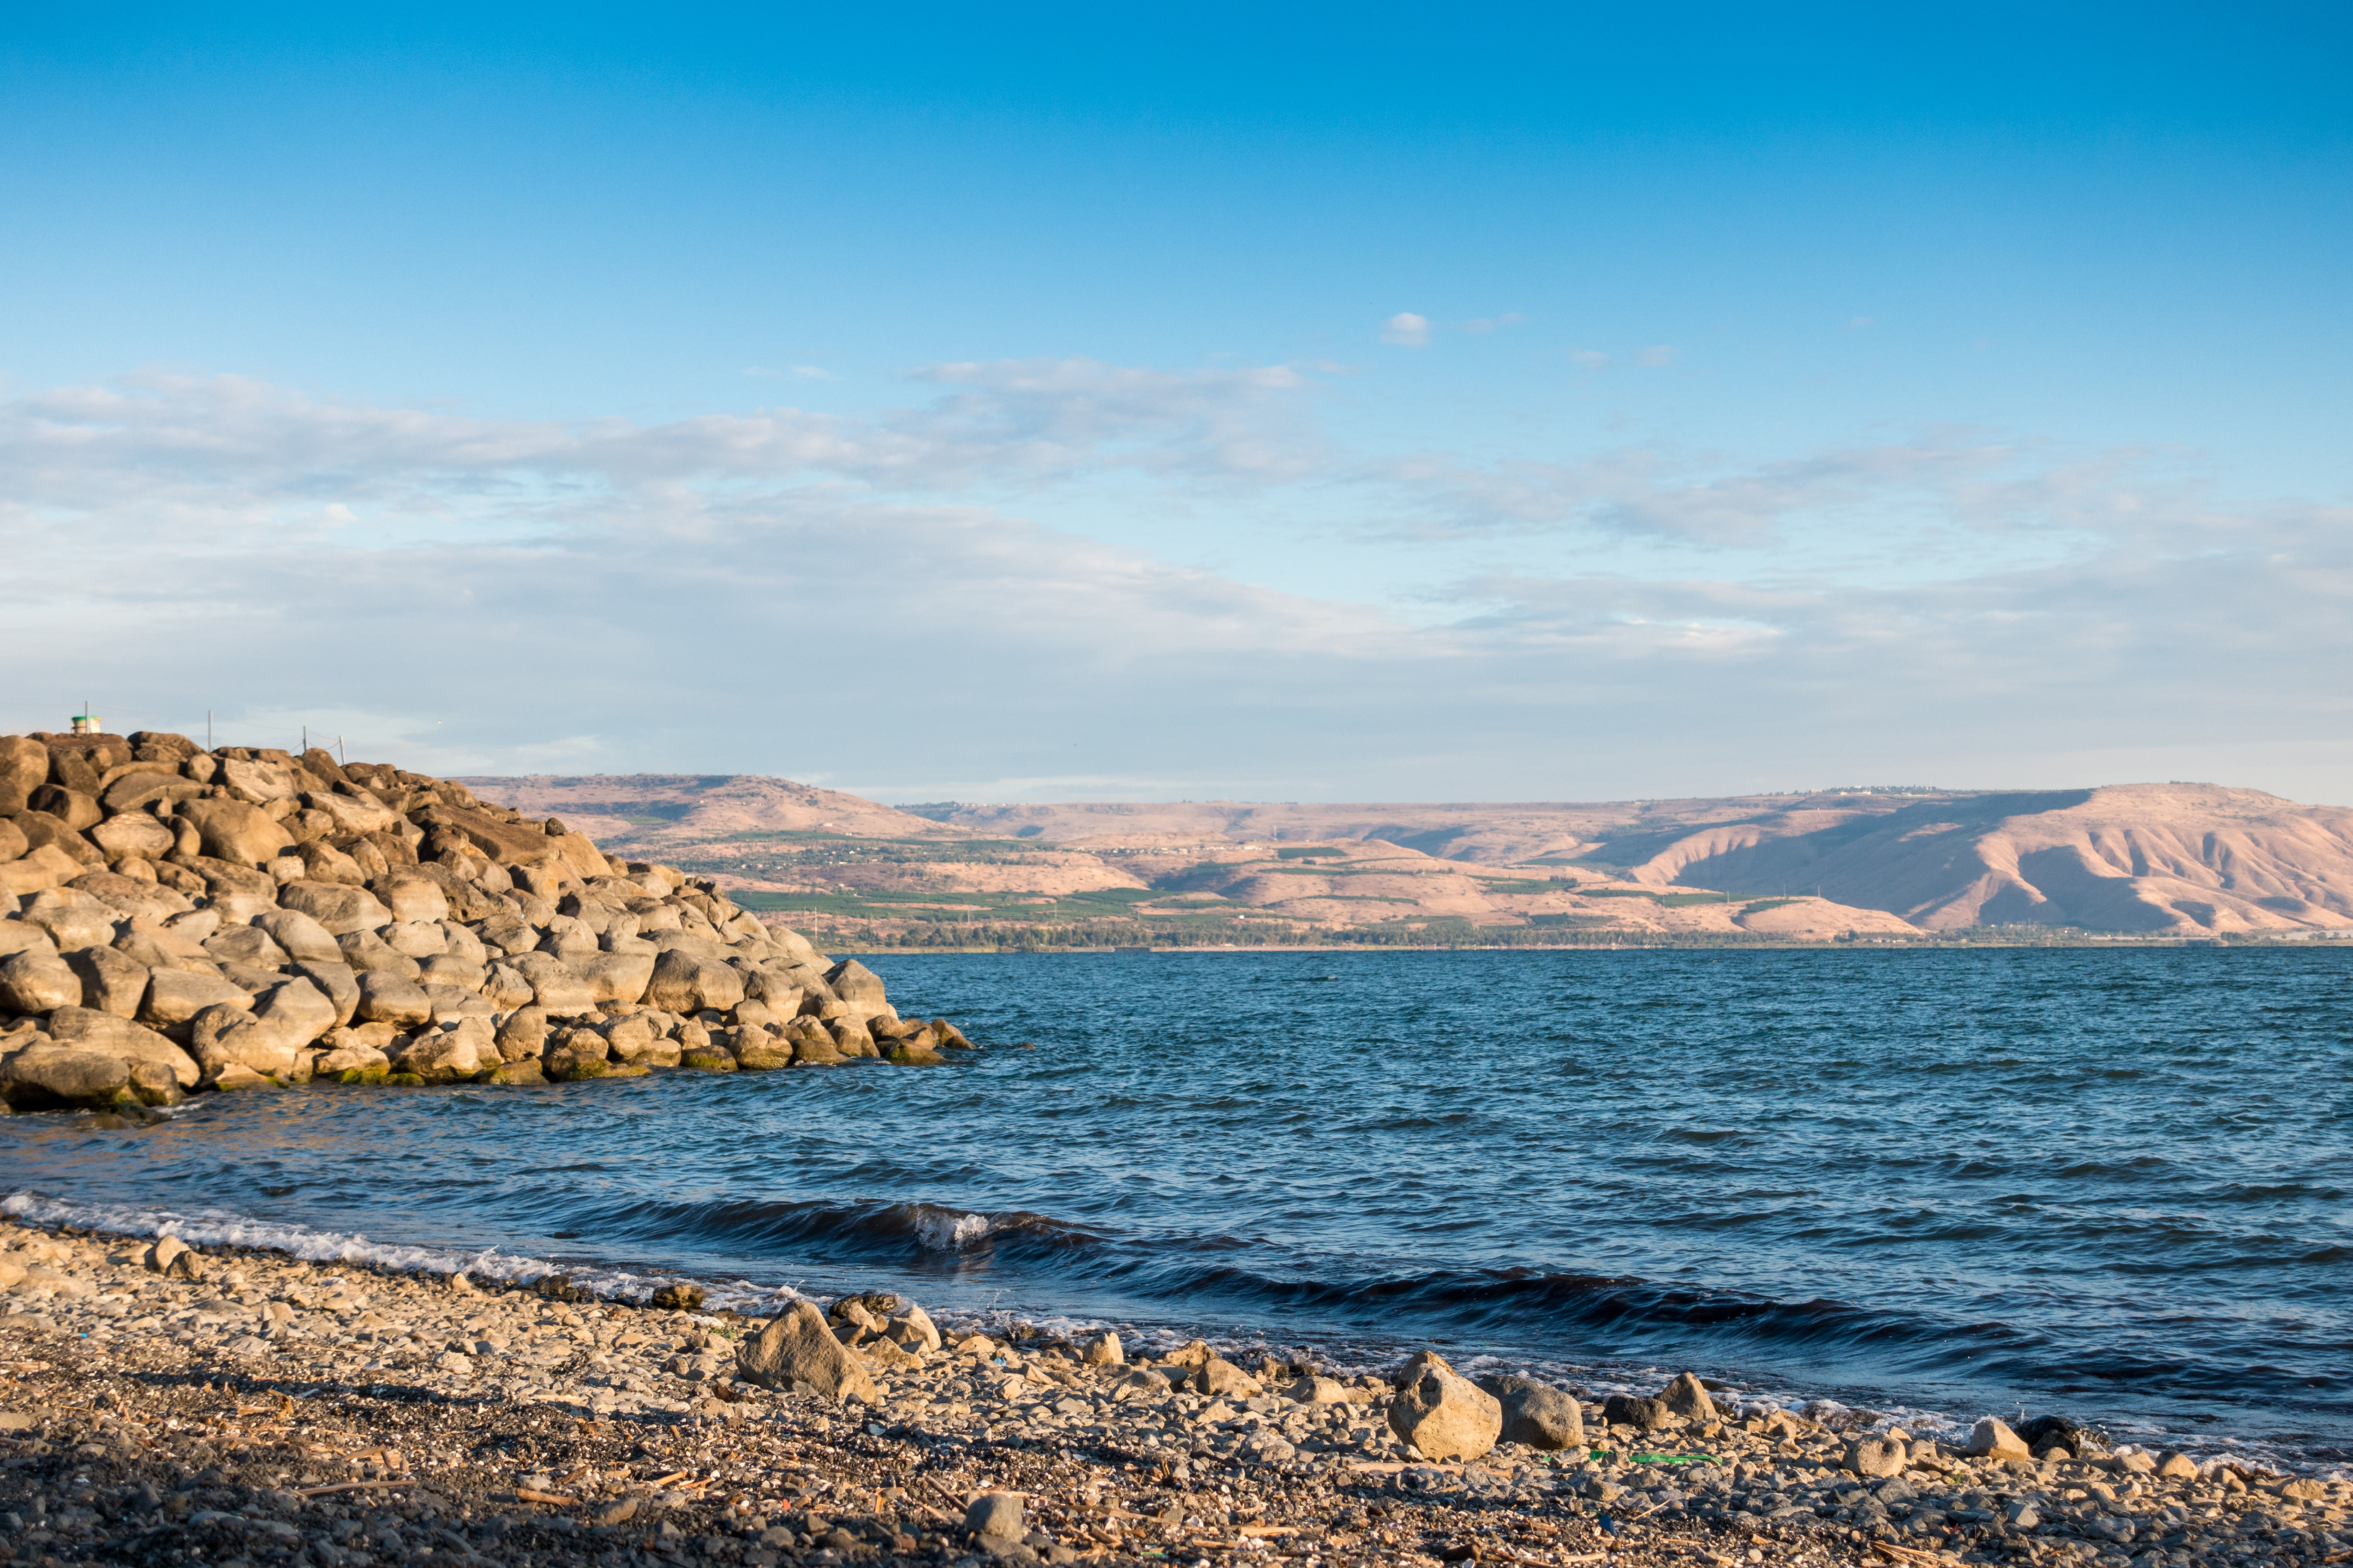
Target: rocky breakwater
[173,919]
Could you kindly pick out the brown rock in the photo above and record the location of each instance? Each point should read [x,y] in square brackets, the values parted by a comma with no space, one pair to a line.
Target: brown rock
[322,862]
[24,768]
[236,832]
[85,1029]
[43,868]
[78,811]
[40,828]
[133,836]
[340,909]
[13,842]
[368,954]
[857,985]
[302,938]
[37,982]
[1443,1415]
[1992,1439]
[795,1346]
[45,1076]
[683,983]
[175,997]
[1687,1397]
[111,982]
[411,895]
[621,977]
[391,999]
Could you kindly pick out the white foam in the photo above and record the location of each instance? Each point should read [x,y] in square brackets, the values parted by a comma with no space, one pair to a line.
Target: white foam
[951,1230]
[223,1227]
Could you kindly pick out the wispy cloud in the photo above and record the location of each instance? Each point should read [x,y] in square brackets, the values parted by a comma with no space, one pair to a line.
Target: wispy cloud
[804,593]
[1407,330]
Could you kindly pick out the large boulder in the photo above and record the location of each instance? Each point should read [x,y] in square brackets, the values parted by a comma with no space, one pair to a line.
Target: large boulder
[336,982]
[13,842]
[133,836]
[236,832]
[1538,1414]
[303,939]
[44,1077]
[614,976]
[444,1055]
[369,954]
[411,895]
[685,983]
[72,919]
[340,909]
[175,997]
[554,985]
[78,811]
[391,999]
[84,1028]
[795,1346]
[261,780]
[37,981]
[248,945]
[38,870]
[24,768]
[355,813]
[15,936]
[40,828]
[110,982]
[858,986]
[1444,1416]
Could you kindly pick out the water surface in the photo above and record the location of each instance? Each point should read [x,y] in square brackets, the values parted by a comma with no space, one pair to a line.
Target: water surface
[2110,1182]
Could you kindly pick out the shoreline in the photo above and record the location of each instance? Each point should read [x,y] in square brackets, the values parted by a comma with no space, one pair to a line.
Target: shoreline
[251,1403]
[1846,1403]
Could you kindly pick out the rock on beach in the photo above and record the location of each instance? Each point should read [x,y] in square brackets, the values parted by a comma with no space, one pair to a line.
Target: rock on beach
[251,918]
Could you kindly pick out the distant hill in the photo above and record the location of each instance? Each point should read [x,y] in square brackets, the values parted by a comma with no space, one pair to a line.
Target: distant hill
[2141,858]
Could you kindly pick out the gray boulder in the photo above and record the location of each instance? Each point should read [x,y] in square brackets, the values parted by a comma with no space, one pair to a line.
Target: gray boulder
[1538,1414]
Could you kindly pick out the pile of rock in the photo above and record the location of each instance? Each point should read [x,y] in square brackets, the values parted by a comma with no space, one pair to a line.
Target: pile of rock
[173,919]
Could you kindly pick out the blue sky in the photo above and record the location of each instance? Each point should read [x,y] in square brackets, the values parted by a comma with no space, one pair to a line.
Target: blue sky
[1354,403]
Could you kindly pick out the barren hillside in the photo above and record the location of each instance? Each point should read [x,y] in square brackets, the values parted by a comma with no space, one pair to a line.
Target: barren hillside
[2144,858]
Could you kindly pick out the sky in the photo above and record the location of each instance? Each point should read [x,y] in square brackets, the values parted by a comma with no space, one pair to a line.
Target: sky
[1365,402]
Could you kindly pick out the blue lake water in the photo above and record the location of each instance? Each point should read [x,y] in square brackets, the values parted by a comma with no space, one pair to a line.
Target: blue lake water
[2110,1184]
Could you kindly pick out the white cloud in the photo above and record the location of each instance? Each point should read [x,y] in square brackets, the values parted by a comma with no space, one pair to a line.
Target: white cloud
[1656,354]
[1590,359]
[1407,330]
[1494,323]
[862,596]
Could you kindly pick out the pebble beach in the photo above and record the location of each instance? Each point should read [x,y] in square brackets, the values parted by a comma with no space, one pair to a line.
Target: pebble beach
[231,1405]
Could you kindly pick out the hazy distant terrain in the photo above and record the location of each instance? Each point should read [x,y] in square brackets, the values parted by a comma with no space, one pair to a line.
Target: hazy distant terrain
[1866,864]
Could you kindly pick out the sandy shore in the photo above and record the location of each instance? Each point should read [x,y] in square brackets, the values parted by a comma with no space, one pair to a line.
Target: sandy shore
[270,1410]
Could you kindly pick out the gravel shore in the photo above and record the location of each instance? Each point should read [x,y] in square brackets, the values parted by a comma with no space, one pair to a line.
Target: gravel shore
[243,1407]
